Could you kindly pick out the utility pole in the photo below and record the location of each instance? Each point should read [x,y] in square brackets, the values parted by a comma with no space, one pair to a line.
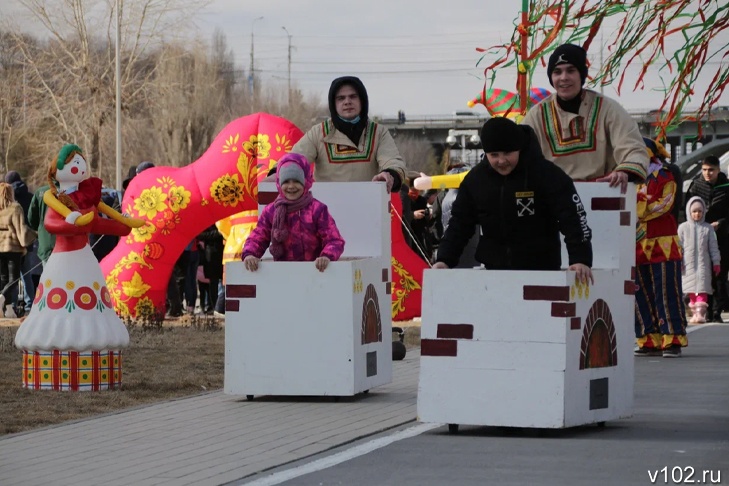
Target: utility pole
[117,76]
[252,75]
[288,99]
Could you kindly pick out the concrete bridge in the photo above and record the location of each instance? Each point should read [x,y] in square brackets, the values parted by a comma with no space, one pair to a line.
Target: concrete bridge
[435,129]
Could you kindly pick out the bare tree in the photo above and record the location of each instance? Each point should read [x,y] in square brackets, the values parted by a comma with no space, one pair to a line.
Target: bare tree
[188,102]
[418,154]
[12,74]
[70,77]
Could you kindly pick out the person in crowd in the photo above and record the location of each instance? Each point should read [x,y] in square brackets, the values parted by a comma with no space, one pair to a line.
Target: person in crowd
[102,245]
[36,216]
[135,170]
[522,202]
[203,285]
[713,187]
[189,288]
[176,285]
[660,314]
[657,150]
[297,226]
[442,215]
[15,236]
[212,259]
[182,286]
[416,221]
[701,258]
[349,147]
[590,136]
[30,260]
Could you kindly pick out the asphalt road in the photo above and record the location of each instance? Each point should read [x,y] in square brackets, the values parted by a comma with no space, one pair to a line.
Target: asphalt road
[679,434]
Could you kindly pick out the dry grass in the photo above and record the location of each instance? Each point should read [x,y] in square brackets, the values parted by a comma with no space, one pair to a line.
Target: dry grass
[161,363]
[165,360]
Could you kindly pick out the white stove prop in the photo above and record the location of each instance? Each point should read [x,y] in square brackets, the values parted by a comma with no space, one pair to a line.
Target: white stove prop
[294,331]
[534,349]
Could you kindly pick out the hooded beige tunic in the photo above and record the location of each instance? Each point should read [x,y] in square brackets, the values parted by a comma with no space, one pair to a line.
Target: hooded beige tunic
[600,139]
[337,159]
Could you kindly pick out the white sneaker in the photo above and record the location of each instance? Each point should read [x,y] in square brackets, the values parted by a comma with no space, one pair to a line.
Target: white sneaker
[10,313]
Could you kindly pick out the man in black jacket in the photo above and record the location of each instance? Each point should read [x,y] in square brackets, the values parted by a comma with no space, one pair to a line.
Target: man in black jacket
[713,187]
[522,202]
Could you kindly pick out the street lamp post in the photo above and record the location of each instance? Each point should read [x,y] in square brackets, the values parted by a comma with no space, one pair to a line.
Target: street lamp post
[472,137]
[117,51]
[252,75]
[288,99]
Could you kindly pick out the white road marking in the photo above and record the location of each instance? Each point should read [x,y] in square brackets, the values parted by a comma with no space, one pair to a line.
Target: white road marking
[690,329]
[340,457]
[366,448]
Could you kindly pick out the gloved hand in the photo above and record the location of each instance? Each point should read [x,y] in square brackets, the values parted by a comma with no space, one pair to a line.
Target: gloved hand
[717,269]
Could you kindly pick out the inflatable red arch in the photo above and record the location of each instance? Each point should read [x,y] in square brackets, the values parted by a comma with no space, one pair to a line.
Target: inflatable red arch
[179,203]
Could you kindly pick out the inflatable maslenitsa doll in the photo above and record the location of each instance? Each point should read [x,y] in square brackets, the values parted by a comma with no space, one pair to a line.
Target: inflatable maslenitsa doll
[72,338]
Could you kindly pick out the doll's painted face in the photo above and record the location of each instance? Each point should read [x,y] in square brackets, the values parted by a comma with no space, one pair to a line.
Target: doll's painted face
[75,170]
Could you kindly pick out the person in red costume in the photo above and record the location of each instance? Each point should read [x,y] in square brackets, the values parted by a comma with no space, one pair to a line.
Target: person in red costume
[72,306]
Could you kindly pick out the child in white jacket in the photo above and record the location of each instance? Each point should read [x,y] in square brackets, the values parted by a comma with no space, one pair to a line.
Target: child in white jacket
[700,257]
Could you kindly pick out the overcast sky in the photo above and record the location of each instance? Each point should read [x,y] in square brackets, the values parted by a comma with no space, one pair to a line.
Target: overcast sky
[412,55]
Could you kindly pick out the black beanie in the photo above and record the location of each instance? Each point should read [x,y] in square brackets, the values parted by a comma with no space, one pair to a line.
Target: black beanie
[568,54]
[500,134]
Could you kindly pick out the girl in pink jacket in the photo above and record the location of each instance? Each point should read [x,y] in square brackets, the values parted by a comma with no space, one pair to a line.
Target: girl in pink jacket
[298,227]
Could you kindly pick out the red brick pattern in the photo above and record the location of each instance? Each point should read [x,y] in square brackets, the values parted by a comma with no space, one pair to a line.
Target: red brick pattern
[563,309]
[546,292]
[455,331]
[240,291]
[438,347]
[625,218]
[629,287]
[232,305]
[266,197]
[608,203]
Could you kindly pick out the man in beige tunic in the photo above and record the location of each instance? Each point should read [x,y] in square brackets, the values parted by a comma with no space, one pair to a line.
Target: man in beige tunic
[590,136]
[348,147]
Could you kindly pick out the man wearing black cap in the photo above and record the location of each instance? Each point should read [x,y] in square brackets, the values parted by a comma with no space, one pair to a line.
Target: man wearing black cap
[134,171]
[349,147]
[522,202]
[712,185]
[590,136]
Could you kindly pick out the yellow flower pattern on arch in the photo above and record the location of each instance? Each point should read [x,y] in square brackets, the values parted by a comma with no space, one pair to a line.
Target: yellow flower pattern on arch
[284,144]
[178,198]
[150,202]
[164,204]
[231,145]
[142,234]
[258,146]
[407,284]
[227,190]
